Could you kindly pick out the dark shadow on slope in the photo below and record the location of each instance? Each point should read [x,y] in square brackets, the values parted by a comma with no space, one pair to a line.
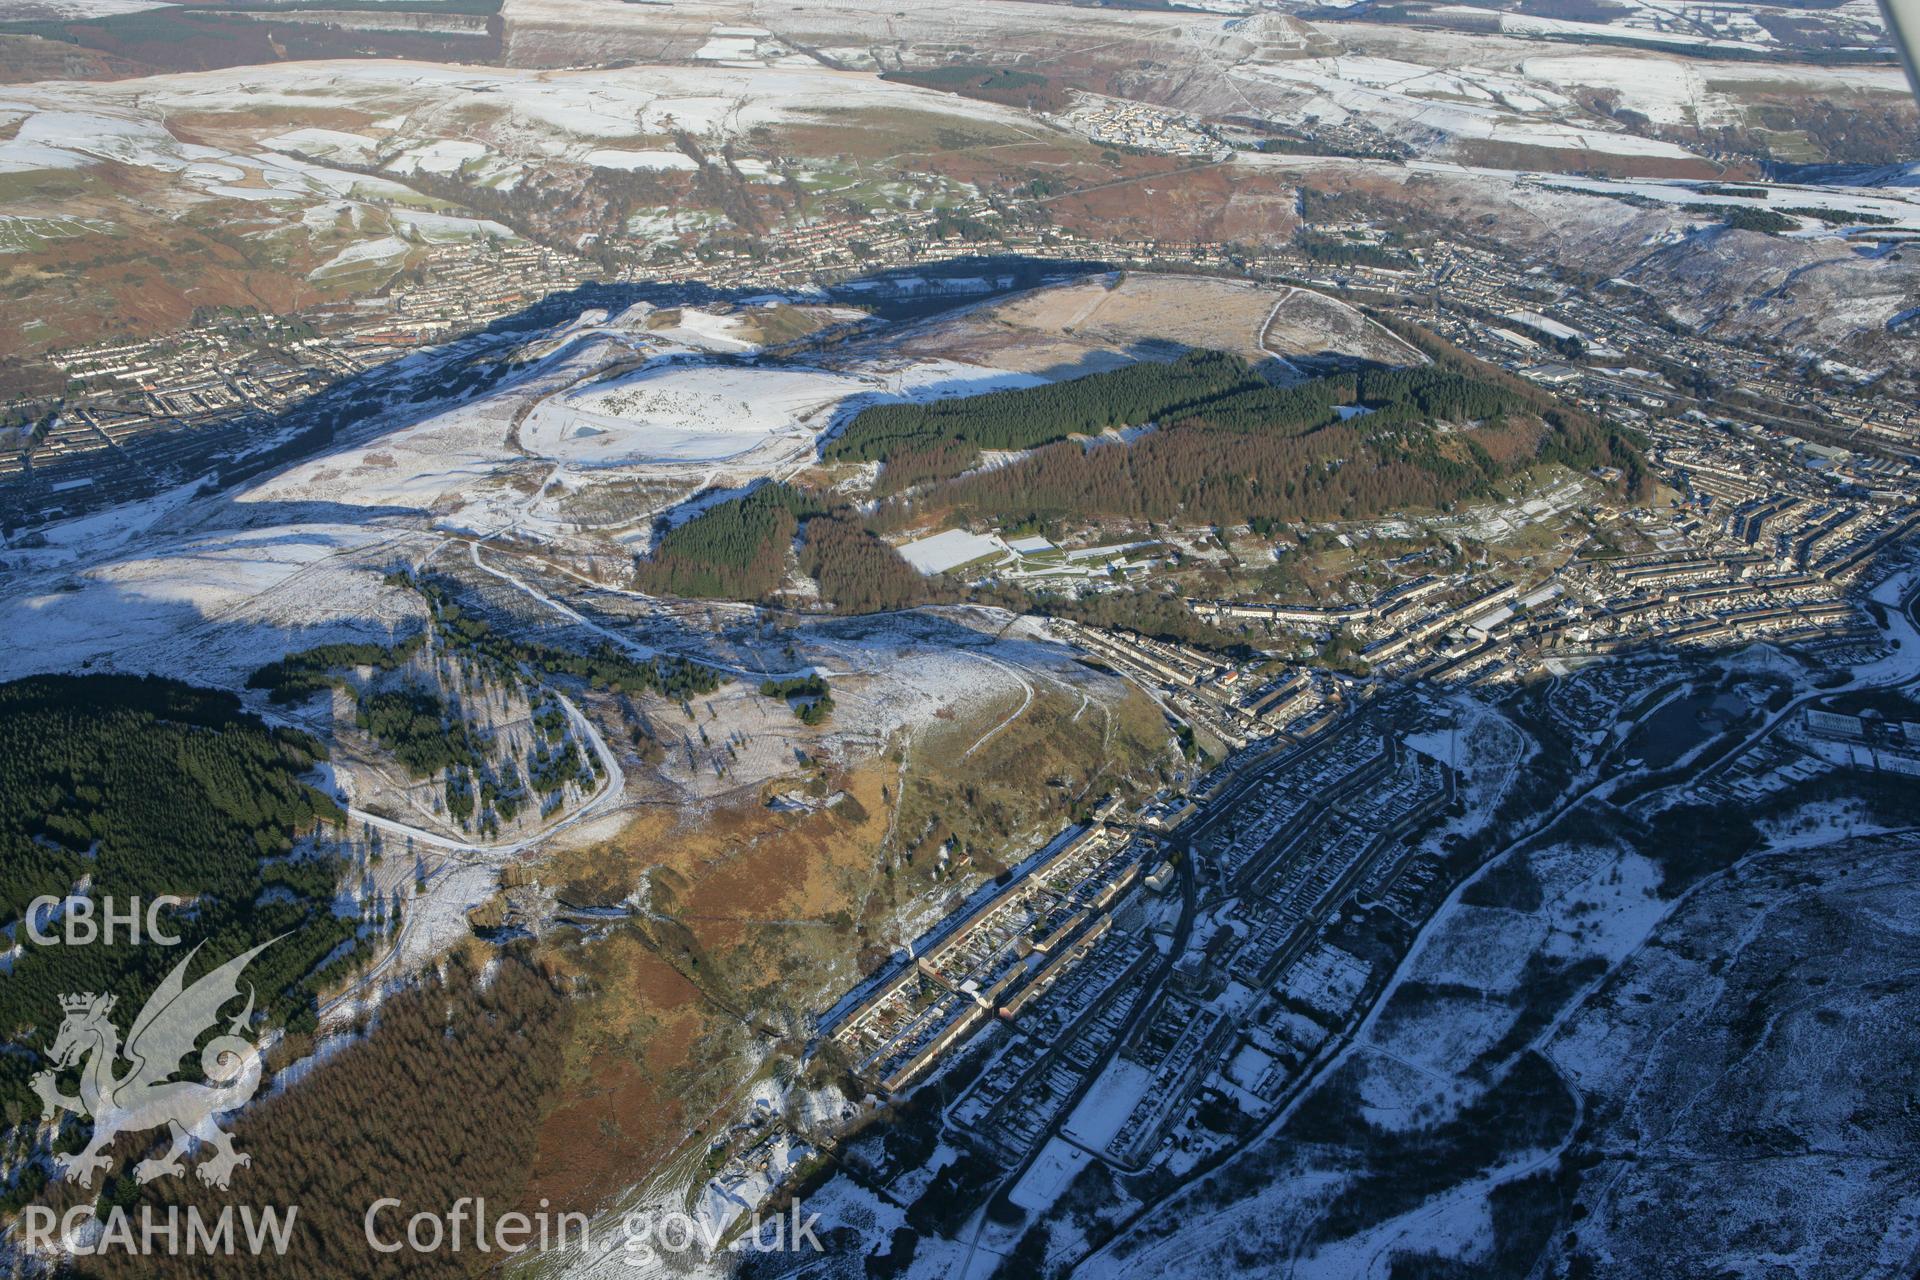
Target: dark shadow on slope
[425,382]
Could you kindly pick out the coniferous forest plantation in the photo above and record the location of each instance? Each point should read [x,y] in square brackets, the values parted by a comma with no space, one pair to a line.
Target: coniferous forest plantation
[1037,640]
[1225,446]
[142,787]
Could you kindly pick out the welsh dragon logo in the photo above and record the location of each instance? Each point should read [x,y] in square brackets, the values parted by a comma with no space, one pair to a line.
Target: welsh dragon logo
[144,1095]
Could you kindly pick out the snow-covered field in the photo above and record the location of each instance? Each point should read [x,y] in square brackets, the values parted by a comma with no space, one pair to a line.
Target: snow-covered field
[437,119]
[613,158]
[1108,1103]
[1466,103]
[1670,90]
[215,605]
[1901,205]
[67,10]
[684,412]
[259,139]
[1058,1163]
[1529,24]
[381,252]
[936,553]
